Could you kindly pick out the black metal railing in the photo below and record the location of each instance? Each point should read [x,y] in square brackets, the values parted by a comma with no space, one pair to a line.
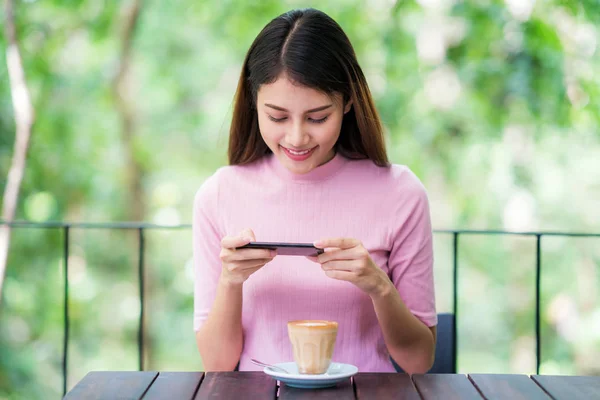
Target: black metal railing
[141,227]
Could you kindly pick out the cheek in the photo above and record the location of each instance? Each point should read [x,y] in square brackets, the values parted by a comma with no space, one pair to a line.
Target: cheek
[330,132]
[268,130]
[329,135]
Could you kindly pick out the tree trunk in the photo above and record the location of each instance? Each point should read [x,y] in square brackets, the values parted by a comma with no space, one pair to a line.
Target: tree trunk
[24,118]
[125,106]
[135,169]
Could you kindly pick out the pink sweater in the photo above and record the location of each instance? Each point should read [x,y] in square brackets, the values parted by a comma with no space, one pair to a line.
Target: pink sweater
[385,208]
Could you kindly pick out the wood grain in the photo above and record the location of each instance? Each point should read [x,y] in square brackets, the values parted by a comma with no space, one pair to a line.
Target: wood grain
[385,386]
[111,385]
[514,387]
[237,385]
[445,386]
[570,387]
[174,385]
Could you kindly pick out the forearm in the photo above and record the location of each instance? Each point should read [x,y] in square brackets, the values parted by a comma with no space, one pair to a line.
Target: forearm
[410,342]
[220,339]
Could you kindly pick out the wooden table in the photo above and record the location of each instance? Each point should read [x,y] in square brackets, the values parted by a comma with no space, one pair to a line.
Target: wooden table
[257,385]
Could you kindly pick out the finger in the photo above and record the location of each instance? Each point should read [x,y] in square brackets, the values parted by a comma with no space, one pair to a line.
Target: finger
[250,254]
[341,275]
[343,265]
[244,266]
[341,243]
[249,234]
[232,242]
[249,264]
[313,259]
[338,254]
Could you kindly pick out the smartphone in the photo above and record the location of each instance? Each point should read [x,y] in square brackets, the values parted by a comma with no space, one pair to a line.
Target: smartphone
[286,249]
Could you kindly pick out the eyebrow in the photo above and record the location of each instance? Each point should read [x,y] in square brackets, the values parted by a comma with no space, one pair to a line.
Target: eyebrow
[321,108]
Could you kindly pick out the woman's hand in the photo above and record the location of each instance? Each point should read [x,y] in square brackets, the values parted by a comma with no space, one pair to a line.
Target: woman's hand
[239,264]
[347,259]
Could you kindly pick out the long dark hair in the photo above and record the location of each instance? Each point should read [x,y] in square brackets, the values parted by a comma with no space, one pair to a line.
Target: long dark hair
[312,50]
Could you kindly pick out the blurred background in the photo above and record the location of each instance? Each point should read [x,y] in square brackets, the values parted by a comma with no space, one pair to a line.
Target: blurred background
[493,104]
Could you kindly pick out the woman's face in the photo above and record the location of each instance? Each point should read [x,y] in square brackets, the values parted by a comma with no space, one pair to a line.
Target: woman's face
[299,124]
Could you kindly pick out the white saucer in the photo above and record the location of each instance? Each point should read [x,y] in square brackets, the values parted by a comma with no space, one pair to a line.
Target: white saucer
[337,372]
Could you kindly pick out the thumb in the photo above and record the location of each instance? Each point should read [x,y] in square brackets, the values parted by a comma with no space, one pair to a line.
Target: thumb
[247,233]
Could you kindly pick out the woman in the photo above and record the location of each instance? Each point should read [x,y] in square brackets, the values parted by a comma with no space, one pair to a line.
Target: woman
[308,164]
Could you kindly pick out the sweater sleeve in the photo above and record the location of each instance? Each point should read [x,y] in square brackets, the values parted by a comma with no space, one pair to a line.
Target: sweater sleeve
[206,248]
[411,256]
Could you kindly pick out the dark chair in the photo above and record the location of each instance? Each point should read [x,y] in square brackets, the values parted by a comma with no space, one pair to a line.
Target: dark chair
[445,349]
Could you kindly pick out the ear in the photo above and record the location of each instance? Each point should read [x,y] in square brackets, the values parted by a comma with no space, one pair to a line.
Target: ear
[348,106]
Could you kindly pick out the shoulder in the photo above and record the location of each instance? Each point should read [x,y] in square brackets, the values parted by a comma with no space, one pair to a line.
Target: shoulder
[406,189]
[406,181]
[395,179]
[208,191]
[226,176]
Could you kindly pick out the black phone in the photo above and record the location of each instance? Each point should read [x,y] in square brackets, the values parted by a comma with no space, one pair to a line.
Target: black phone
[286,249]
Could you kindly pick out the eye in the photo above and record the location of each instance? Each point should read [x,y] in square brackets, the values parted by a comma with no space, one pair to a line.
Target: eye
[318,121]
[277,119]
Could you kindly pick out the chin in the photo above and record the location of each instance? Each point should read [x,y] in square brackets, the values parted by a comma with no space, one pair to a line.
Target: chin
[294,167]
[299,170]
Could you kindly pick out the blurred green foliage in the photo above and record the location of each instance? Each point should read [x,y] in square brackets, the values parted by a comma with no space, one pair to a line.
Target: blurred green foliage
[494,105]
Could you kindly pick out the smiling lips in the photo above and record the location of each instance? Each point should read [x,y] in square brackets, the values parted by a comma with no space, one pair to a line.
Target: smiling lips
[298,155]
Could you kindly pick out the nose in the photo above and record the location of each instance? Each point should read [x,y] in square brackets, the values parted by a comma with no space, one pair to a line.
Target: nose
[297,136]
